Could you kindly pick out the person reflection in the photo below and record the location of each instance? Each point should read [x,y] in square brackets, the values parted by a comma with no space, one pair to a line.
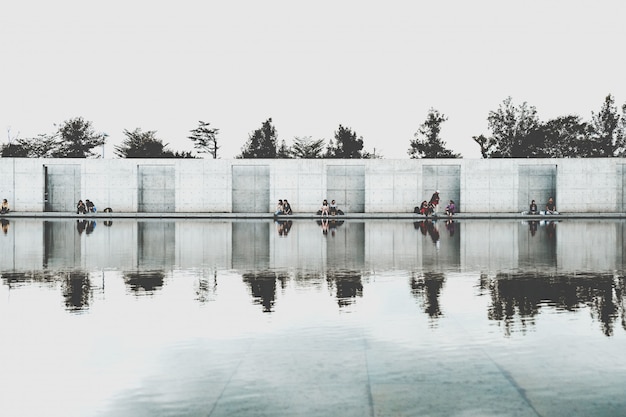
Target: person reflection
[450,226]
[551,230]
[80,226]
[5,226]
[532,225]
[283,227]
[90,226]
[433,232]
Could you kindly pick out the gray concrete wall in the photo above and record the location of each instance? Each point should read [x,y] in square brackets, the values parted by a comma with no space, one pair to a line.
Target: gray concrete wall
[370,186]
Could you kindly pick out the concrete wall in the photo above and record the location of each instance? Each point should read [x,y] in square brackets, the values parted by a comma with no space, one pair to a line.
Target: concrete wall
[370,186]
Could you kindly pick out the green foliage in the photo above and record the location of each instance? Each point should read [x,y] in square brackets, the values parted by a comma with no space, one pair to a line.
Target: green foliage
[307,148]
[283,152]
[261,143]
[77,139]
[606,137]
[205,139]
[426,142]
[564,137]
[518,133]
[514,131]
[140,144]
[346,145]
[13,150]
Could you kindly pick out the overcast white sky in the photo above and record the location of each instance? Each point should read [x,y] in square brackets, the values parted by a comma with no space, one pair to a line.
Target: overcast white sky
[376,67]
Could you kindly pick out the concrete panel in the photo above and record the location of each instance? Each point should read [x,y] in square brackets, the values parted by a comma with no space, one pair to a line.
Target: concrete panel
[250,189]
[446,179]
[156,193]
[536,182]
[62,187]
[155,244]
[346,185]
[250,246]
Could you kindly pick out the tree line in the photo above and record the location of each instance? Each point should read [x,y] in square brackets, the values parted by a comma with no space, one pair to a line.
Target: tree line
[516,132]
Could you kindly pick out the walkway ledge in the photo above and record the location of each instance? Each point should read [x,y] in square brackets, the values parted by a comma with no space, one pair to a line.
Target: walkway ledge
[350,216]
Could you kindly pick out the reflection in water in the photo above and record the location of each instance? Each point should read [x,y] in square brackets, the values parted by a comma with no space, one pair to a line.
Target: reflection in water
[427,289]
[329,225]
[144,282]
[263,287]
[76,290]
[283,227]
[524,267]
[347,285]
[547,322]
[524,295]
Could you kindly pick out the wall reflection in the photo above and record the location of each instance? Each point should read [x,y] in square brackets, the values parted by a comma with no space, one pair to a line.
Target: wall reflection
[524,267]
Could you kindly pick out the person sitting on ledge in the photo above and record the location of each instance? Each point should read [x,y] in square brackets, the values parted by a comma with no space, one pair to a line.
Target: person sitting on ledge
[90,206]
[450,208]
[324,210]
[533,208]
[279,208]
[4,209]
[81,208]
[334,210]
[551,207]
[286,207]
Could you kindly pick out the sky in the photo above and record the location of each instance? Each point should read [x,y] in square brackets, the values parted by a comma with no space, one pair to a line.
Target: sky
[375,67]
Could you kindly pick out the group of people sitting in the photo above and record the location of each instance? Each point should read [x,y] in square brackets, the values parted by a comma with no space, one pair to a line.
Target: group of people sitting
[550,207]
[85,207]
[430,207]
[283,207]
[329,209]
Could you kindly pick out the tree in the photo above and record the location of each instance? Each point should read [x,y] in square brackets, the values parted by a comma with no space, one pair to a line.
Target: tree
[346,145]
[565,137]
[514,132]
[77,139]
[607,139]
[261,143]
[43,146]
[283,151]
[307,148]
[205,138]
[427,143]
[140,144]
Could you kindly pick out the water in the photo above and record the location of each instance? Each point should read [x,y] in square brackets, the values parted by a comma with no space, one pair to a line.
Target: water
[219,318]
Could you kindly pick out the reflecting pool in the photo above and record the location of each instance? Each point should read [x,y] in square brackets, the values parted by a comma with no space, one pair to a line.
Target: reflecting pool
[312,318]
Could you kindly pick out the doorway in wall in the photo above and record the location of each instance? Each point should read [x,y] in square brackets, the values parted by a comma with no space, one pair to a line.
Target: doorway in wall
[536,182]
[446,179]
[346,185]
[156,189]
[62,187]
[251,189]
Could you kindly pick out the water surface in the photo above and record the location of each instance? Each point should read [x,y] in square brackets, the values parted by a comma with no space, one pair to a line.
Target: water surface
[220,318]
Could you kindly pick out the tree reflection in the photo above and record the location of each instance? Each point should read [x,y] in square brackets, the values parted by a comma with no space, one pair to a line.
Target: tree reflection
[144,282]
[347,284]
[427,289]
[15,279]
[206,290]
[263,288]
[524,295]
[76,290]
